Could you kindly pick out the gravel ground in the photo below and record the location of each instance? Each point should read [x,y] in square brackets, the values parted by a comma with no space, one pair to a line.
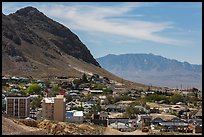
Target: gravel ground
[11,128]
[111,131]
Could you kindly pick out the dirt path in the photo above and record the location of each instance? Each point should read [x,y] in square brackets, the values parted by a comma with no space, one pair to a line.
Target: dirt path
[110,131]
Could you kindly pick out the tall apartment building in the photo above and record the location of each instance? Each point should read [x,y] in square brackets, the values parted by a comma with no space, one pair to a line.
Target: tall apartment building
[59,108]
[53,108]
[18,106]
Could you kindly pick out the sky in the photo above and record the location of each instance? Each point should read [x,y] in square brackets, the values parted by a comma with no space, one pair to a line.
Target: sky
[170,29]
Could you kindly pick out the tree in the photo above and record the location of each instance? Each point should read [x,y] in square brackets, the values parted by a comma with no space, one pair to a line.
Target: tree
[84,78]
[3,105]
[77,108]
[55,91]
[34,89]
[96,108]
[69,98]
[132,111]
[36,102]
[87,97]
[176,98]
[195,91]
[109,100]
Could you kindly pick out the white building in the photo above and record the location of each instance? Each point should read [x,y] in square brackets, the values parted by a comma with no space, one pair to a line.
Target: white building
[74,116]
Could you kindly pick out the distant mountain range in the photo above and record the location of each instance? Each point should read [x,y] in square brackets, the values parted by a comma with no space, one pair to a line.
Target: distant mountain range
[152,69]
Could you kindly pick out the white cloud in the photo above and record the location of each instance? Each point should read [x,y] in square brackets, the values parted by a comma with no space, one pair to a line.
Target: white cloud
[94,18]
[100,19]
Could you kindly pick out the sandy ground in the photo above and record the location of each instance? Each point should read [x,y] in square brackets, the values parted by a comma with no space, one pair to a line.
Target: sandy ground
[110,131]
[115,115]
[11,128]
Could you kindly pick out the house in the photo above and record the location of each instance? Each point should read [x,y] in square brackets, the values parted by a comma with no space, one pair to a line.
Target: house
[103,115]
[106,80]
[121,124]
[124,127]
[88,104]
[14,90]
[36,114]
[100,119]
[73,92]
[185,114]
[174,125]
[74,116]
[198,115]
[180,103]
[156,121]
[102,99]
[198,128]
[115,108]
[154,110]
[33,96]
[143,121]
[95,92]
[71,104]
[171,126]
[5,80]
[142,109]
[39,114]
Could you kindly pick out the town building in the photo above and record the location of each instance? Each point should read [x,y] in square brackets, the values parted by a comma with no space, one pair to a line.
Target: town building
[74,116]
[53,108]
[143,121]
[18,106]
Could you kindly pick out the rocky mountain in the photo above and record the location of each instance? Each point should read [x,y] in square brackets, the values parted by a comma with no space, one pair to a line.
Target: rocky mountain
[35,45]
[153,69]
[28,26]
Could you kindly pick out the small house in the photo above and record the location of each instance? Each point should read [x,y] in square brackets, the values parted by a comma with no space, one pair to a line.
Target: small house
[124,127]
[96,92]
[100,119]
[156,121]
[198,128]
[114,108]
[143,121]
[198,115]
[74,116]
[154,110]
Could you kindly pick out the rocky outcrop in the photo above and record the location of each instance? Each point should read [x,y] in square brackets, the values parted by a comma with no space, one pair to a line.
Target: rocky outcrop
[61,128]
[30,27]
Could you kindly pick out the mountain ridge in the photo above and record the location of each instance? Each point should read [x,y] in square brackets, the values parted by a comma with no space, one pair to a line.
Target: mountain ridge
[149,68]
[35,28]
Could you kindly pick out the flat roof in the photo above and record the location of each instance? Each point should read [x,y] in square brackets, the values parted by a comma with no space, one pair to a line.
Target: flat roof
[74,113]
[16,96]
[49,100]
[96,91]
[173,124]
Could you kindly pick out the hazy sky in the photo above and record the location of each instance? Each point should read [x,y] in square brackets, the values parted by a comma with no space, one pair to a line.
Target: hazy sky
[169,29]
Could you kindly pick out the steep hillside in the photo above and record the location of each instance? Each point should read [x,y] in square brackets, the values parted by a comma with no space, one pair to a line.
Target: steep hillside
[35,45]
[153,69]
[29,27]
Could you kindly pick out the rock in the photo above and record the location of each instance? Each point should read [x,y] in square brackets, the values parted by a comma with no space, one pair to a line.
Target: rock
[28,25]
